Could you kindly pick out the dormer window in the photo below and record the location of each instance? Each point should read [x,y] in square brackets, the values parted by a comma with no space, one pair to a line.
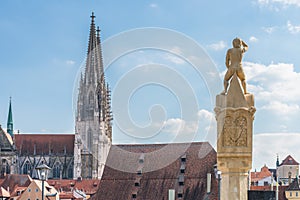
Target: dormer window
[181,180]
[182,169]
[142,158]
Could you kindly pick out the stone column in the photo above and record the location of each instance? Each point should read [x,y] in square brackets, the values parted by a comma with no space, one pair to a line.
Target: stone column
[234,114]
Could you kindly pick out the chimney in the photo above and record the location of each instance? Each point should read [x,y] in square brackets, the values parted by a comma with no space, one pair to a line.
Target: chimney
[171,194]
[208,183]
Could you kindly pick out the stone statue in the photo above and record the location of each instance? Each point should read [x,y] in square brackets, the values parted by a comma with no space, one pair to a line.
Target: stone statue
[234,63]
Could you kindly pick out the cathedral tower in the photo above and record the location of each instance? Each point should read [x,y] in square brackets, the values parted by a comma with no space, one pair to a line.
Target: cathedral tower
[93,129]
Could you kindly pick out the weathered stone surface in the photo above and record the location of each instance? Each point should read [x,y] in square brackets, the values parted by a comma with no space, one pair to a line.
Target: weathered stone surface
[234,114]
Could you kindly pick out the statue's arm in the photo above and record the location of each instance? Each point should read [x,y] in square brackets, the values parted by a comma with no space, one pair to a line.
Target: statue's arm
[227,61]
[245,46]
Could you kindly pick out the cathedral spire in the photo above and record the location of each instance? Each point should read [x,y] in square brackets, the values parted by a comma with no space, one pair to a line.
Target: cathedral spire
[94,64]
[92,38]
[93,120]
[10,128]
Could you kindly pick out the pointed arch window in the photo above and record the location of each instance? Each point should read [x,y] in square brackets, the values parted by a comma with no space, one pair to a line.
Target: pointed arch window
[91,99]
[56,170]
[91,105]
[7,168]
[4,167]
[70,172]
[27,168]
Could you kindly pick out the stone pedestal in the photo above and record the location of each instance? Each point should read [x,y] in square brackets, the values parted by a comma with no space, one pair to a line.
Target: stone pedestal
[235,114]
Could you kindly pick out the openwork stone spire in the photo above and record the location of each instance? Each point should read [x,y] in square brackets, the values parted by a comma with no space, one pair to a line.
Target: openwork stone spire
[93,125]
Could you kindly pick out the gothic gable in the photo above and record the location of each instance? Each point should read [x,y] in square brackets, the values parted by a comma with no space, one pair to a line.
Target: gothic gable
[6,142]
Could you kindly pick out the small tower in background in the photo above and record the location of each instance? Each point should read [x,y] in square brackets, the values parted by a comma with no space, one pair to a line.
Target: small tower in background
[10,125]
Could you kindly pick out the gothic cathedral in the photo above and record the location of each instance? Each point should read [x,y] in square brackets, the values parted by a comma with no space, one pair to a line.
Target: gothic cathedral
[93,128]
[79,156]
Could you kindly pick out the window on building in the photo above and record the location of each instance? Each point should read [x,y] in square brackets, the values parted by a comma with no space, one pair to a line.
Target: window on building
[139,172]
[296,194]
[290,175]
[179,195]
[70,172]
[7,168]
[27,168]
[181,180]
[56,170]
[291,194]
[183,158]
[3,168]
[91,99]
[266,183]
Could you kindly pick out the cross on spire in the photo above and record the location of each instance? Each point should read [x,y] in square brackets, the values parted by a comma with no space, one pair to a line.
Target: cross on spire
[98,30]
[93,17]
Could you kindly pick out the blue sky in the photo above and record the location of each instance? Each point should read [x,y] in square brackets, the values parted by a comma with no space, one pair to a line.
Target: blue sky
[44,43]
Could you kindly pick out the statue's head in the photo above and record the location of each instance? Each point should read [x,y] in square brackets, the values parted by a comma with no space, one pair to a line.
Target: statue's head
[237,42]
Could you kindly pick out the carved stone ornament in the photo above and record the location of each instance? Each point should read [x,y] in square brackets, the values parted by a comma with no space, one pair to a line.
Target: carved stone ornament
[235,131]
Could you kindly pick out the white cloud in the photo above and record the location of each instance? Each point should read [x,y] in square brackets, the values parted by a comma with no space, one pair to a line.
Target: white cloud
[292,28]
[270,29]
[218,46]
[273,3]
[275,82]
[288,2]
[267,145]
[253,39]
[173,125]
[70,62]
[276,89]
[281,108]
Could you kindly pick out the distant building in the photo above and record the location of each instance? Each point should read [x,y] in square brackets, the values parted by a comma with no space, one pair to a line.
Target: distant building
[15,184]
[288,170]
[293,191]
[8,154]
[7,150]
[55,150]
[262,178]
[81,155]
[75,189]
[191,176]
[34,191]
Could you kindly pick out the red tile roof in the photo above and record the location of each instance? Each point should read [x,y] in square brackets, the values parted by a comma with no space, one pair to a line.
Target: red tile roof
[289,160]
[13,183]
[44,143]
[87,186]
[154,185]
[264,172]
